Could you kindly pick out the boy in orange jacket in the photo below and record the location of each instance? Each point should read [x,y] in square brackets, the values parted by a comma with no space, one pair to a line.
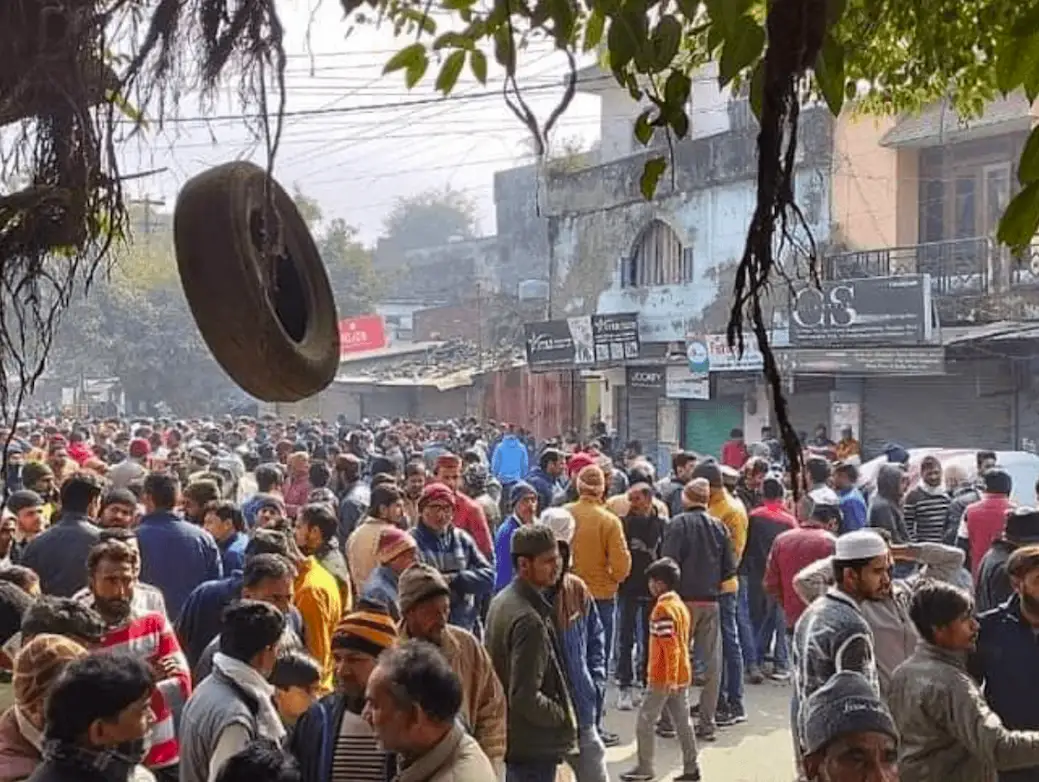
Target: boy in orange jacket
[668,675]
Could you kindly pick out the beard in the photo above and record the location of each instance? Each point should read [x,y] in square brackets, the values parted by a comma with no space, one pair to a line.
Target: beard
[114,611]
[1030,602]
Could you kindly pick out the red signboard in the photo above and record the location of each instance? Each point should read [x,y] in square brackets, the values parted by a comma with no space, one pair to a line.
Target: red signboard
[357,335]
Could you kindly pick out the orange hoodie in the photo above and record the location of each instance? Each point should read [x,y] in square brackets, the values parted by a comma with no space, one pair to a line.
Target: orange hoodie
[669,628]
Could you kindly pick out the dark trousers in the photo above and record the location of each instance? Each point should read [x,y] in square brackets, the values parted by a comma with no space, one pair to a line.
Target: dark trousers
[633,614]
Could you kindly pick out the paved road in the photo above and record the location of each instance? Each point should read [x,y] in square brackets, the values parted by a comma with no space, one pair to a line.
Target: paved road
[759,750]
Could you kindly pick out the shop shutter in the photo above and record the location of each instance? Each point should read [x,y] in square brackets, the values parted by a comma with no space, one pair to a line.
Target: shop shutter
[809,404]
[638,412]
[706,424]
[969,407]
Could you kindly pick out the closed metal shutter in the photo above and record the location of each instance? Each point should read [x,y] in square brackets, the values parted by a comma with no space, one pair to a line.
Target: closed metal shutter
[969,407]
[637,413]
[809,404]
[706,424]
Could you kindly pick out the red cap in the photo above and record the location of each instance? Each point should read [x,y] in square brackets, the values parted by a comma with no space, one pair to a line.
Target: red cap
[436,492]
[578,462]
[139,448]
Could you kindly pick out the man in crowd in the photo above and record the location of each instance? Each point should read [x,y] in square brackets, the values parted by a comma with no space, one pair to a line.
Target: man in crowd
[59,554]
[852,503]
[984,521]
[25,509]
[968,492]
[885,506]
[926,506]
[509,463]
[466,515]
[396,553]
[425,602]
[547,478]
[414,482]
[522,642]
[386,510]
[524,503]
[316,594]
[235,704]
[453,552]
[176,556]
[225,522]
[353,492]
[332,741]
[670,488]
[118,509]
[994,585]
[413,699]
[97,717]
[315,532]
[112,572]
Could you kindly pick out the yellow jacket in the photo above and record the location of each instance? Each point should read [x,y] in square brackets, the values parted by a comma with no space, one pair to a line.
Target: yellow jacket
[599,550]
[731,513]
[317,598]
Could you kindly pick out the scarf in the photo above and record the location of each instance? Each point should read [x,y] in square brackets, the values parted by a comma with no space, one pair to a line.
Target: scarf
[113,764]
[268,722]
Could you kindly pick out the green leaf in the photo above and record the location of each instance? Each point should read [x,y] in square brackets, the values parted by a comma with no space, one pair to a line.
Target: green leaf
[829,74]
[125,108]
[756,93]
[453,40]
[1027,25]
[563,21]
[680,123]
[478,65]
[676,89]
[834,11]
[413,75]
[742,47]
[1021,219]
[667,35]
[593,30]
[450,70]
[1017,61]
[1028,167]
[505,49]
[622,43]
[643,127]
[651,174]
[405,58]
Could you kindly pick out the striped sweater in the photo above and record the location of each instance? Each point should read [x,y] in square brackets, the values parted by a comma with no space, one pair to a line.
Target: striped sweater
[150,638]
[669,628]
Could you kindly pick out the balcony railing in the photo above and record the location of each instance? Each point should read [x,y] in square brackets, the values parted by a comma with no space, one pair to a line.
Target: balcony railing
[958,267]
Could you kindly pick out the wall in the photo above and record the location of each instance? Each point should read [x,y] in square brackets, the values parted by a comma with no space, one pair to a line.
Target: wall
[523,229]
[598,214]
[545,403]
[443,274]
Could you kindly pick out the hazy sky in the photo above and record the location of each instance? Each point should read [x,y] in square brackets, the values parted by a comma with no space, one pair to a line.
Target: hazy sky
[364,145]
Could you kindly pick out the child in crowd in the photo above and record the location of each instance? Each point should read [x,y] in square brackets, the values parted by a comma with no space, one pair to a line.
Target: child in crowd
[668,675]
[297,683]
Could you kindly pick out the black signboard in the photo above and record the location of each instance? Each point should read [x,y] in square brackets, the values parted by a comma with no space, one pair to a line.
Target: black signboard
[862,361]
[647,377]
[868,311]
[583,341]
[616,337]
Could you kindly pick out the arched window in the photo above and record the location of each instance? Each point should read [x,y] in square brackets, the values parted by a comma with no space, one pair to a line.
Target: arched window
[658,259]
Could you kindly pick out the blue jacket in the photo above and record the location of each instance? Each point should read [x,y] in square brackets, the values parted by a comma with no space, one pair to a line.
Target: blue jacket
[312,740]
[59,555]
[584,648]
[510,460]
[381,587]
[1007,663]
[176,556]
[503,552]
[454,553]
[232,553]
[546,486]
[853,510]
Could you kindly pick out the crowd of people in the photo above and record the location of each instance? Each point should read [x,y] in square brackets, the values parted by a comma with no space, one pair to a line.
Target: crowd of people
[302,601]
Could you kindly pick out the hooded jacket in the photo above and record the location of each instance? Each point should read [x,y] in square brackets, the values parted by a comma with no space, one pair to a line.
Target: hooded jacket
[510,460]
[885,506]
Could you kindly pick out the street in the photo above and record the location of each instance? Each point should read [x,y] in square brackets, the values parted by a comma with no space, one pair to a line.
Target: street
[759,750]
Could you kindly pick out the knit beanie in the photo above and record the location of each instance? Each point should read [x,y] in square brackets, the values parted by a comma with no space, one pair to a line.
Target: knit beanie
[697,493]
[392,543]
[591,481]
[370,630]
[845,704]
[578,462]
[37,667]
[532,540]
[419,583]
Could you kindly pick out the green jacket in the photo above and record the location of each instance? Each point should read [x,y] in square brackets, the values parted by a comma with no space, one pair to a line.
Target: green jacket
[542,723]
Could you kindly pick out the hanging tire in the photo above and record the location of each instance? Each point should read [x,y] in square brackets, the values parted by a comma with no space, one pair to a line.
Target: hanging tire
[272,325]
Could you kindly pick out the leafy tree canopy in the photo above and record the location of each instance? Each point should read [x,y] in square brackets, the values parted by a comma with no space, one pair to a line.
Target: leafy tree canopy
[430,218]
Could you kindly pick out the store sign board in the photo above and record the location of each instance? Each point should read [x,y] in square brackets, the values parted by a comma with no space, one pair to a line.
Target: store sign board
[680,383]
[862,361]
[583,341]
[646,377]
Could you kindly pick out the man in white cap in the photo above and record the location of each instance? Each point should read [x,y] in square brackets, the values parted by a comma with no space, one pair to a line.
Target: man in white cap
[832,635]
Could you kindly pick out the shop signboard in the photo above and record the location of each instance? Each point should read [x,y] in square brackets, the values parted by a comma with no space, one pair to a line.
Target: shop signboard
[646,377]
[583,341]
[357,335]
[680,383]
[867,311]
[862,361]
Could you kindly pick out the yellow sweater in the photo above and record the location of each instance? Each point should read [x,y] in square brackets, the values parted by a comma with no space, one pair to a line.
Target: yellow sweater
[317,598]
[731,513]
[599,550]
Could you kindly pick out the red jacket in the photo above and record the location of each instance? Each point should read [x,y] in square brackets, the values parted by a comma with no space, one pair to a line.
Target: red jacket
[792,551]
[470,517]
[734,454]
[985,521]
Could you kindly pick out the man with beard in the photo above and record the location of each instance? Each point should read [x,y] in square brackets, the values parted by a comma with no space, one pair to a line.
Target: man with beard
[832,634]
[112,578]
[118,509]
[332,741]
[414,482]
[1006,660]
[316,536]
[927,505]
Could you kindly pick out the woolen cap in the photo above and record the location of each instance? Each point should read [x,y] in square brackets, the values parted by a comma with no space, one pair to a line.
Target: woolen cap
[561,522]
[1022,525]
[419,583]
[520,490]
[436,492]
[392,543]
[860,544]
[370,630]
[697,493]
[845,704]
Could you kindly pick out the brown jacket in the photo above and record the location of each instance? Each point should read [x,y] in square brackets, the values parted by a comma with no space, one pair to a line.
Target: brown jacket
[18,756]
[483,698]
[362,548]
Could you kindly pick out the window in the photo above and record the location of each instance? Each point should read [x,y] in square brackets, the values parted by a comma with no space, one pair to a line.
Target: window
[658,259]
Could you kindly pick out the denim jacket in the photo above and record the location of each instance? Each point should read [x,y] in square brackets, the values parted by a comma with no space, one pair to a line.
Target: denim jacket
[583,644]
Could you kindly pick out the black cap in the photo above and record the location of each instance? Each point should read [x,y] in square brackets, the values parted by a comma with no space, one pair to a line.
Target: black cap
[1022,525]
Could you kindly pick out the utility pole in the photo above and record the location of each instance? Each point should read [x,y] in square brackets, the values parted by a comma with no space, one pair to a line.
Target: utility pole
[147,202]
